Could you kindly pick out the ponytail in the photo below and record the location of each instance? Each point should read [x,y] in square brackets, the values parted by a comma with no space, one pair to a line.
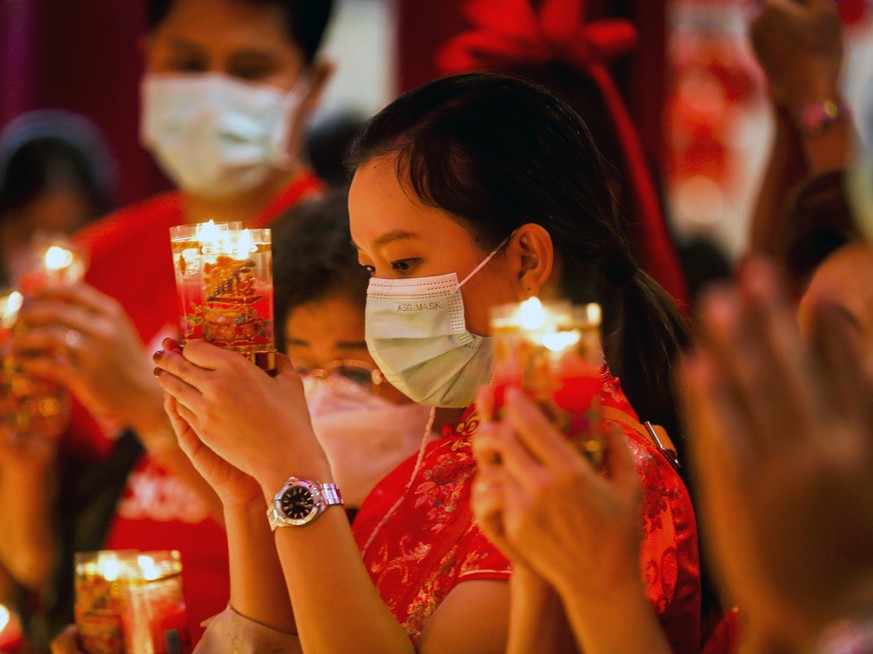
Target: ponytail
[643,334]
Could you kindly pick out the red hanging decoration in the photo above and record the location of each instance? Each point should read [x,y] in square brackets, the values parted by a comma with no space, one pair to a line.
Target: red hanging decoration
[510,33]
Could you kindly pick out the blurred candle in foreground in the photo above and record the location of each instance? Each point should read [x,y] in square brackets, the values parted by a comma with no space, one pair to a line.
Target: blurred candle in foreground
[11,637]
[552,351]
[55,262]
[131,602]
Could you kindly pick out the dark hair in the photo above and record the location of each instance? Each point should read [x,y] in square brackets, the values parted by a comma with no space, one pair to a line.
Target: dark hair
[497,151]
[47,149]
[327,141]
[305,20]
[313,257]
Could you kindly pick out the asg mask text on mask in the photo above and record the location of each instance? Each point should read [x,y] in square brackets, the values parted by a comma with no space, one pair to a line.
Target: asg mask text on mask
[417,334]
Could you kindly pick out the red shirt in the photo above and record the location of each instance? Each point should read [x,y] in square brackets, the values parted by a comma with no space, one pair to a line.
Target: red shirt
[132,262]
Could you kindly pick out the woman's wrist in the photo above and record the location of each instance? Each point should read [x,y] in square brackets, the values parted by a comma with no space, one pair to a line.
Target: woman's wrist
[316,468]
[628,591]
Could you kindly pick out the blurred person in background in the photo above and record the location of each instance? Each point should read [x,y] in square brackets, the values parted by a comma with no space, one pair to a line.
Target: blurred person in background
[782,432]
[56,175]
[228,88]
[800,47]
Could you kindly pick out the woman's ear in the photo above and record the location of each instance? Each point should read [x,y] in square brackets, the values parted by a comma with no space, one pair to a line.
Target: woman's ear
[531,252]
[317,78]
[319,75]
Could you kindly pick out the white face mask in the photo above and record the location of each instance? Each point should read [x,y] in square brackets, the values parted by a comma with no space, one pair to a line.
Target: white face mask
[338,395]
[215,136]
[364,436]
[416,333]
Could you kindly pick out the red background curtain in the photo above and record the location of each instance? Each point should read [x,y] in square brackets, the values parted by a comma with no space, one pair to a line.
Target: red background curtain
[82,55]
[425,26]
[85,56]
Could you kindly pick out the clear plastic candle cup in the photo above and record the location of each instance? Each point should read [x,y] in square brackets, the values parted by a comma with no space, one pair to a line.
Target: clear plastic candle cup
[552,351]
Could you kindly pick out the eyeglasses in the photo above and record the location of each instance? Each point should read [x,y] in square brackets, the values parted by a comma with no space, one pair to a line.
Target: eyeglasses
[361,373]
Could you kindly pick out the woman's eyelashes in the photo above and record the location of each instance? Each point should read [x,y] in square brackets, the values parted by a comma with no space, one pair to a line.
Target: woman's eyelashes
[403,265]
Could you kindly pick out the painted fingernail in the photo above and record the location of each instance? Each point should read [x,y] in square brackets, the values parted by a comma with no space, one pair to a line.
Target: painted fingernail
[157,372]
[157,355]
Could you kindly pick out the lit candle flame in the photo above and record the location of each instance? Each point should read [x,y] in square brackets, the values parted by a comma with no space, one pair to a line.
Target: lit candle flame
[5,617]
[149,569]
[560,341]
[242,245]
[208,232]
[531,314]
[58,258]
[111,567]
[10,305]
[592,312]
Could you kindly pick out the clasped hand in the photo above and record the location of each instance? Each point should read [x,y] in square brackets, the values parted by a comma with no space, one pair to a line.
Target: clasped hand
[232,419]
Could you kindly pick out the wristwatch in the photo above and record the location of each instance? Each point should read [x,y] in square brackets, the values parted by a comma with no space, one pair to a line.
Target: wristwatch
[300,502]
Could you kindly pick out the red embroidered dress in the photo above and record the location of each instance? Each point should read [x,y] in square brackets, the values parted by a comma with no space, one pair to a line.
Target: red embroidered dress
[431,544]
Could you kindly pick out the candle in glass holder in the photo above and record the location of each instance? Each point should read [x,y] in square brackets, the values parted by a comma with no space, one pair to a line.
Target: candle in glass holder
[237,280]
[39,406]
[131,602]
[30,406]
[11,636]
[187,243]
[552,351]
[56,262]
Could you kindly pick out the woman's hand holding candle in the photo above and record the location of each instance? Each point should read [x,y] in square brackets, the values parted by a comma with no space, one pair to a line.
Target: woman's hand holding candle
[234,487]
[258,422]
[83,339]
[556,512]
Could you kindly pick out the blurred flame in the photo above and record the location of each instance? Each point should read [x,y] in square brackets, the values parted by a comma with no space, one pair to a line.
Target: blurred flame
[57,258]
[531,314]
[149,569]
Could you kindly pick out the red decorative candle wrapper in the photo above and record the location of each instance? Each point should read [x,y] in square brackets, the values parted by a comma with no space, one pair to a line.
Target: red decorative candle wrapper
[224,280]
[552,351]
[131,602]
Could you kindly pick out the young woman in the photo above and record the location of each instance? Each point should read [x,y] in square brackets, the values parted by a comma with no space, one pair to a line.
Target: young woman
[472,191]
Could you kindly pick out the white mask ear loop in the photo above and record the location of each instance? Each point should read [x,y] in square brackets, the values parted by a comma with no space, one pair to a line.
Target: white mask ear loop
[484,261]
[415,470]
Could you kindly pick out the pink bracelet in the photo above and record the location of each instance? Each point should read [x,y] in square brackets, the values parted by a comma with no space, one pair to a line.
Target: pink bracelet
[815,117]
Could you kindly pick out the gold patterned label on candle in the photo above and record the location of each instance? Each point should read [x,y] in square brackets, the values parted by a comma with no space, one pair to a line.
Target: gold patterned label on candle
[100,605]
[230,317]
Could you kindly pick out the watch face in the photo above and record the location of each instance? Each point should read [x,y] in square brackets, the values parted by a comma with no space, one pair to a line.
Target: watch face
[297,502]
